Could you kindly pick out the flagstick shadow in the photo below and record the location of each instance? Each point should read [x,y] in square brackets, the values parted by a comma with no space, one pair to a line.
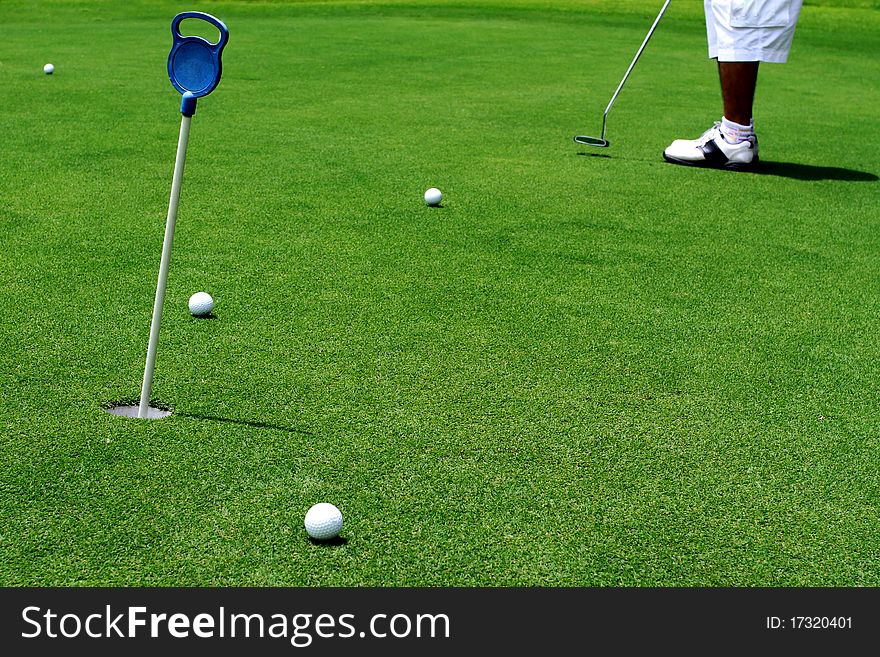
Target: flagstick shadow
[245,423]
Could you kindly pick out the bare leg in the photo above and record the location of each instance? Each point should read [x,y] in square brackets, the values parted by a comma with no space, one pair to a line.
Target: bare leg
[738,83]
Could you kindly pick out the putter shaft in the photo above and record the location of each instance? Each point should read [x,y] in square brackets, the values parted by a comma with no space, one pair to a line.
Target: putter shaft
[602,141]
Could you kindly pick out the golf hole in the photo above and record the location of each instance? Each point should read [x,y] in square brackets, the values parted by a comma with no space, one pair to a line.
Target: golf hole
[123,409]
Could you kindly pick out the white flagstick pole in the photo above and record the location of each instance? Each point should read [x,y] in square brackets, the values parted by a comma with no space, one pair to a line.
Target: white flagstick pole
[146,389]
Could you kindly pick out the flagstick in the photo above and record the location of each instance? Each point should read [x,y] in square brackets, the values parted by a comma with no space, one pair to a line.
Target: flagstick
[182,142]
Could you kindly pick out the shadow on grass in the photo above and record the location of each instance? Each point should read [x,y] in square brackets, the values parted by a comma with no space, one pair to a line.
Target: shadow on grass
[245,423]
[810,172]
[795,171]
[332,542]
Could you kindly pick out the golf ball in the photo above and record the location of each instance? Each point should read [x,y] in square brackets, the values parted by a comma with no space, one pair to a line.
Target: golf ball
[48,69]
[201,304]
[323,521]
[433,196]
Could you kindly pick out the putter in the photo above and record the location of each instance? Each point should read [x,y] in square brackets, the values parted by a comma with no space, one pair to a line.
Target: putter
[194,70]
[601,141]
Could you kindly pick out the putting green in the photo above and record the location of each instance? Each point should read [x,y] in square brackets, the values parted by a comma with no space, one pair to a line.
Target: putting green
[587,368]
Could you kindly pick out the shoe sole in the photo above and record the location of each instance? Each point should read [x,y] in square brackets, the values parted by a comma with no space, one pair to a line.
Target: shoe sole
[703,164]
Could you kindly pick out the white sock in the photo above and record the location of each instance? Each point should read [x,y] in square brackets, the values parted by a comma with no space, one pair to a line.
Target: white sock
[736,132]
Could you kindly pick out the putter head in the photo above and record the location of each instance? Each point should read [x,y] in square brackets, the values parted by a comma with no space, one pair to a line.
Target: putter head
[591,141]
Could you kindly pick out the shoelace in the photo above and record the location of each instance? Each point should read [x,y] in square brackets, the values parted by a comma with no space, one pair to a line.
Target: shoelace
[709,135]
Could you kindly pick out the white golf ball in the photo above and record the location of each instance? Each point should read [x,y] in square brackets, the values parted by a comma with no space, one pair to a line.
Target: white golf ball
[433,196]
[201,304]
[48,69]
[323,521]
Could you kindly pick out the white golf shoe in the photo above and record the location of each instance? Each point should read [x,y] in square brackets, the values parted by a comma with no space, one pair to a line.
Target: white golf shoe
[712,150]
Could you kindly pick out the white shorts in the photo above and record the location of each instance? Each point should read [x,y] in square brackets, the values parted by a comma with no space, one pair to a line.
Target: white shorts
[751,30]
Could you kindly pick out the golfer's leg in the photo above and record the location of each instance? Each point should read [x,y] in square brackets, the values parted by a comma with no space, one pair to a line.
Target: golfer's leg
[738,83]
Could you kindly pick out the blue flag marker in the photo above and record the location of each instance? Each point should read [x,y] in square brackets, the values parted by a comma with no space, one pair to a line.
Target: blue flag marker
[194,65]
[194,68]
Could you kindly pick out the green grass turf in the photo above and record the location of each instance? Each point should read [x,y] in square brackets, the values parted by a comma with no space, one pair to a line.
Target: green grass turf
[588,368]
